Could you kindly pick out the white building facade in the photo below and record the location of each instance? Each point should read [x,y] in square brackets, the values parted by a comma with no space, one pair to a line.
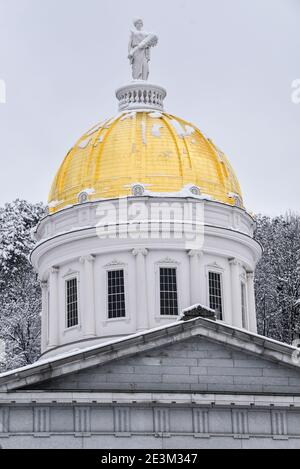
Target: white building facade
[115,266]
[75,249]
[146,226]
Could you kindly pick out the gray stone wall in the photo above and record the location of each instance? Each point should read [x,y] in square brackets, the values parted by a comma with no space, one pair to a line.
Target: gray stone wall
[192,394]
[147,426]
[195,365]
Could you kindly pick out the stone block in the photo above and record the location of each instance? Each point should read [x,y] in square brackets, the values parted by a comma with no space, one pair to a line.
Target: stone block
[235,371]
[159,369]
[176,379]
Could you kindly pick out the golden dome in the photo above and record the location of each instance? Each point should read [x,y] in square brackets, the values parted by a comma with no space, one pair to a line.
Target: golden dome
[163,153]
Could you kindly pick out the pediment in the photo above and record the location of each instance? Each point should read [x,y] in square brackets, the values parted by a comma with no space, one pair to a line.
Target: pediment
[196,356]
[193,365]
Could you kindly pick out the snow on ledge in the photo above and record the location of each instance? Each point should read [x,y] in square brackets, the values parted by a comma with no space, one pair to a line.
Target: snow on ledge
[192,308]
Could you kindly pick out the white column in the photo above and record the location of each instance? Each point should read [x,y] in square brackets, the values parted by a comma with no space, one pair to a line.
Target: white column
[142,320]
[251,303]
[88,318]
[45,314]
[236,294]
[196,285]
[53,309]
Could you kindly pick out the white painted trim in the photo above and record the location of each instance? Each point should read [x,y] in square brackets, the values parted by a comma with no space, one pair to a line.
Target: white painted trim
[244,283]
[216,269]
[168,264]
[71,273]
[173,399]
[68,277]
[112,267]
[48,316]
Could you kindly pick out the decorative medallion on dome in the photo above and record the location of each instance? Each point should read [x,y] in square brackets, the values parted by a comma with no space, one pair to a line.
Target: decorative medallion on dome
[238,202]
[138,190]
[83,198]
[84,195]
[195,190]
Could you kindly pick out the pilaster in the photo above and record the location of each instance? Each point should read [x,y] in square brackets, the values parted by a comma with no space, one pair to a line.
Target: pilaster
[142,319]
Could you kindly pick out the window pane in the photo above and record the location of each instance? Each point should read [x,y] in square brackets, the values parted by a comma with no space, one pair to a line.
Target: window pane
[116,294]
[168,292]
[72,302]
[215,294]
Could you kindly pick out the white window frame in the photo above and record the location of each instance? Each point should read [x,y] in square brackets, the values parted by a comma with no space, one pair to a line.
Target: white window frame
[67,278]
[167,265]
[213,269]
[111,268]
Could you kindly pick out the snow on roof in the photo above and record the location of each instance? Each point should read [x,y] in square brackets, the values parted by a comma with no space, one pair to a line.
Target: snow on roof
[178,128]
[95,128]
[54,203]
[144,132]
[77,351]
[128,115]
[99,140]
[191,308]
[84,143]
[203,321]
[156,130]
[156,115]
[89,191]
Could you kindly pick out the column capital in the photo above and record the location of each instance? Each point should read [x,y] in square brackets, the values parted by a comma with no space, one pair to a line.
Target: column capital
[235,262]
[44,284]
[88,258]
[140,252]
[195,253]
[250,275]
[54,270]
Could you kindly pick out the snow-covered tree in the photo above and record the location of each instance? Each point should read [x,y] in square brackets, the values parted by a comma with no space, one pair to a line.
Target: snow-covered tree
[278,277]
[20,295]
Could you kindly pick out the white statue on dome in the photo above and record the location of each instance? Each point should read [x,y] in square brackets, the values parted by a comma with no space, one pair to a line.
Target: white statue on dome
[139,50]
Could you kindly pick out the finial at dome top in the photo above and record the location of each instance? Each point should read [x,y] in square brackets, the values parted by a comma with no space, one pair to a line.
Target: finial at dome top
[140,43]
[140,94]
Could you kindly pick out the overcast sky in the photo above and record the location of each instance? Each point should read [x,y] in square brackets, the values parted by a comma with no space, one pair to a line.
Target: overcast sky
[228,66]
